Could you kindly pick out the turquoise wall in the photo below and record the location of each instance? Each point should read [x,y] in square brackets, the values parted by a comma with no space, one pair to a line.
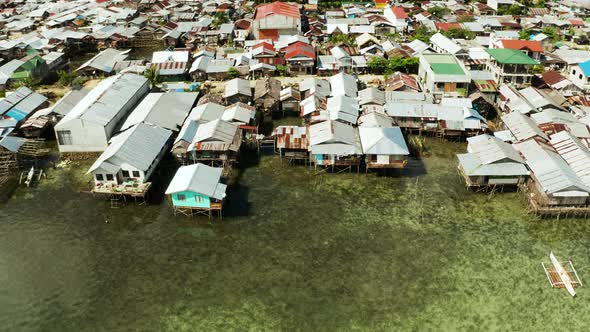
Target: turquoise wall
[191,199]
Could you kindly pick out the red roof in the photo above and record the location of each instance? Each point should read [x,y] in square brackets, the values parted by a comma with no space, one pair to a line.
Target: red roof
[531,45]
[552,77]
[300,49]
[265,46]
[277,8]
[399,12]
[577,22]
[444,26]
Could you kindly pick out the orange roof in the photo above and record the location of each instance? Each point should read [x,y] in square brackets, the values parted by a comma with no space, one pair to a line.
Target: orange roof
[531,45]
[444,26]
[277,8]
[399,12]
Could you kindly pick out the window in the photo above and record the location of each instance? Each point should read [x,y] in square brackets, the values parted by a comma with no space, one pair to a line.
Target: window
[135,174]
[125,174]
[580,76]
[64,137]
[99,177]
[574,71]
[199,199]
[180,197]
[110,177]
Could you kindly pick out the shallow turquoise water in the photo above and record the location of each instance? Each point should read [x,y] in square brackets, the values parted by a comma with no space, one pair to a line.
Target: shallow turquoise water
[295,251]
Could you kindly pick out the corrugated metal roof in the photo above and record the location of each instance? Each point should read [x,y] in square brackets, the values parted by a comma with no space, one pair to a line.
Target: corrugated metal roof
[107,99]
[335,138]
[14,98]
[383,141]
[574,152]
[291,137]
[12,143]
[166,110]
[105,60]
[207,112]
[472,166]
[343,108]
[68,101]
[198,178]
[370,96]
[237,86]
[522,127]
[216,135]
[239,112]
[29,104]
[375,119]
[552,172]
[138,146]
[445,43]
[343,84]
[489,149]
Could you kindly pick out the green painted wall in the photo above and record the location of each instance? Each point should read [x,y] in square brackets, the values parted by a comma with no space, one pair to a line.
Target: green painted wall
[191,199]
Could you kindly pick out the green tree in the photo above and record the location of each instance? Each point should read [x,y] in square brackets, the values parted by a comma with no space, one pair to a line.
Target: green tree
[459,33]
[389,66]
[438,12]
[422,33]
[68,78]
[538,69]
[551,33]
[515,9]
[524,34]
[152,75]
[342,38]
[465,18]
[219,19]
[282,70]
[233,72]
[377,65]
[28,82]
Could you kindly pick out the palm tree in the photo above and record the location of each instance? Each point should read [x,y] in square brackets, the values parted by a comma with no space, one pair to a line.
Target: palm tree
[152,75]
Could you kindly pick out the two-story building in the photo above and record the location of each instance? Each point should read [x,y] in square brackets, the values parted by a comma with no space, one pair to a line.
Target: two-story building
[443,75]
[511,66]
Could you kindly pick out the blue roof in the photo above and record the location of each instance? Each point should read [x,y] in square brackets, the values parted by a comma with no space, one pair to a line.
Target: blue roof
[585,66]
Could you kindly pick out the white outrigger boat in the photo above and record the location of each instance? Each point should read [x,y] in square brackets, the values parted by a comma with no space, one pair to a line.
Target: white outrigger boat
[562,275]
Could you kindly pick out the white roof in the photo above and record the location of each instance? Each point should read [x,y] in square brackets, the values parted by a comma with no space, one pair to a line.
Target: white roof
[551,171]
[383,141]
[574,152]
[490,149]
[138,146]
[334,138]
[207,112]
[198,178]
[445,43]
[107,99]
[343,84]
[418,46]
[522,127]
[166,110]
[170,56]
[237,86]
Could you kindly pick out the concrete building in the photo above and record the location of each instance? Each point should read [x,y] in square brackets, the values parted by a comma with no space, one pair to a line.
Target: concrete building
[89,126]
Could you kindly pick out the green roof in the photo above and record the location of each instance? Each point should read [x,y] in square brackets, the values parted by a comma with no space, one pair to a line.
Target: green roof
[511,57]
[447,69]
[444,64]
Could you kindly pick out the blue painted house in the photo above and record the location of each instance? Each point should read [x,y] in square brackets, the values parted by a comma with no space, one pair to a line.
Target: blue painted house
[197,189]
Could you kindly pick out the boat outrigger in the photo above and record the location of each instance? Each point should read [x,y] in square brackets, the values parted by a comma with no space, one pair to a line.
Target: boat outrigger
[562,277]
